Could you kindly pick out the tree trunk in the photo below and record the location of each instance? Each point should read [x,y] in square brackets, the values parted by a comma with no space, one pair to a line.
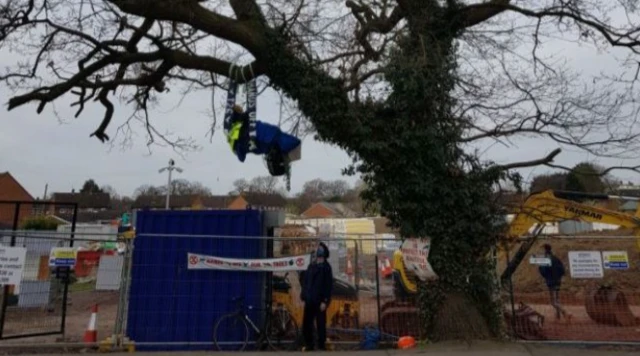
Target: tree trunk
[429,187]
[414,169]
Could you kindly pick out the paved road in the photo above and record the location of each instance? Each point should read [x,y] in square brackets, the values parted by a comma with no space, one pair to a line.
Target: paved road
[458,349]
[440,349]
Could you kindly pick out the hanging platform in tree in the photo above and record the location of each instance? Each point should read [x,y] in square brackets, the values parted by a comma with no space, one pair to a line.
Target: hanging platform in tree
[245,134]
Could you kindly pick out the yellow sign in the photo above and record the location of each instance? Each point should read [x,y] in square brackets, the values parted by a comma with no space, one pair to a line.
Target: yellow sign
[615,259]
[63,257]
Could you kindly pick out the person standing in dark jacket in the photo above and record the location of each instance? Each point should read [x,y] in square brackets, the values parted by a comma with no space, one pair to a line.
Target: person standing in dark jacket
[316,294]
[553,277]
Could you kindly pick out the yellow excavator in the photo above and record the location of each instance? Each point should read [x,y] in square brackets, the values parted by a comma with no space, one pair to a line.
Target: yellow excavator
[399,316]
[557,206]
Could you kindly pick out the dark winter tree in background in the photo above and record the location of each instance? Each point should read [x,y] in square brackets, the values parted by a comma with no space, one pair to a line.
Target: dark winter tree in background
[178,187]
[405,87]
[113,194]
[186,187]
[583,177]
[148,190]
[90,187]
[554,181]
[261,184]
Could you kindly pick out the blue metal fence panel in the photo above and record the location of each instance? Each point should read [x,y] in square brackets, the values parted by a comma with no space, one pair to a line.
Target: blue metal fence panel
[170,304]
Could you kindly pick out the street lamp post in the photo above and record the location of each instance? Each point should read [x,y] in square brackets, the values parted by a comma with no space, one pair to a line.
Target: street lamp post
[171,167]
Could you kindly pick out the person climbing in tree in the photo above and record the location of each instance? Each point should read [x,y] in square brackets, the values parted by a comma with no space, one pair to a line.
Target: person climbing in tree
[245,134]
[317,286]
[552,275]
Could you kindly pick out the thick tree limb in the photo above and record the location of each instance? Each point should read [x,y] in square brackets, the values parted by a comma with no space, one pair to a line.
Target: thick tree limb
[479,13]
[533,163]
[197,16]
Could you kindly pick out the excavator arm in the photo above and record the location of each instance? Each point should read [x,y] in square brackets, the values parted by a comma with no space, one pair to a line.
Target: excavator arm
[556,206]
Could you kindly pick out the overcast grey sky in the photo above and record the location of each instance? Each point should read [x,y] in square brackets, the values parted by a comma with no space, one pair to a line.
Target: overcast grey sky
[40,149]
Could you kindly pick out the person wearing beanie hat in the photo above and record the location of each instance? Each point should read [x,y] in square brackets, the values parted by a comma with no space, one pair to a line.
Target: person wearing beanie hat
[316,294]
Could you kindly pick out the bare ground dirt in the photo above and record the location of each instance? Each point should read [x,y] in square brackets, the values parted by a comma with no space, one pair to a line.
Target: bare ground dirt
[38,320]
[529,288]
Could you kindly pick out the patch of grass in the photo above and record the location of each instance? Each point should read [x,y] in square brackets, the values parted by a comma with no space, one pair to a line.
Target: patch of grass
[82,287]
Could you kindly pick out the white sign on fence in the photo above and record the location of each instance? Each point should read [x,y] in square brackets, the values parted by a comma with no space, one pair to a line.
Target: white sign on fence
[12,265]
[281,264]
[540,260]
[586,264]
[615,259]
[415,255]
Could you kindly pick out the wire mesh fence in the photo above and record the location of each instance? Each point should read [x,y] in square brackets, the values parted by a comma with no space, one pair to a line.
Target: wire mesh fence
[54,271]
[164,291]
[596,299]
[58,301]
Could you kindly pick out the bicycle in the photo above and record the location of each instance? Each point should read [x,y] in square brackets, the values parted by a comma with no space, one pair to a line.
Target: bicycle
[279,326]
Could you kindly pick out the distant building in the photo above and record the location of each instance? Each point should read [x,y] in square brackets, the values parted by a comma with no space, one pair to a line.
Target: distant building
[259,201]
[629,190]
[12,191]
[177,202]
[323,210]
[87,202]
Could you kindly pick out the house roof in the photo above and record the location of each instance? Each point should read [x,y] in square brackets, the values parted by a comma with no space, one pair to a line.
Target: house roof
[265,199]
[84,200]
[90,217]
[158,201]
[6,177]
[338,209]
[216,201]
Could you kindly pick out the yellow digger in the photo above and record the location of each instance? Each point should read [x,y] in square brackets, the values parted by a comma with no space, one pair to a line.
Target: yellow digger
[400,317]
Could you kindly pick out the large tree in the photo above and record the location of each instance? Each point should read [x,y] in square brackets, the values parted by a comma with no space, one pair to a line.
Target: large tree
[403,86]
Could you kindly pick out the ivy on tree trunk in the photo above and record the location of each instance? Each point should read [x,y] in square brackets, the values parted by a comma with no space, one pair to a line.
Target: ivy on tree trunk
[414,169]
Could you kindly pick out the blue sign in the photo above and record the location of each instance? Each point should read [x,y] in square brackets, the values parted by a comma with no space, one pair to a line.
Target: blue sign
[63,262]
[617,265]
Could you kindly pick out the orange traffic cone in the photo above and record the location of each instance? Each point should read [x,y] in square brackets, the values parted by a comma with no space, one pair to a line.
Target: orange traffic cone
[91,334]
[406,342]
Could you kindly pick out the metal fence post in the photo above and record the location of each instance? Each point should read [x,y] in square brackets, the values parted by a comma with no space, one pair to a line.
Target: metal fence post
[377,264]
[356,269]
[5,293]
[511,298]
[119,328]
[65,291]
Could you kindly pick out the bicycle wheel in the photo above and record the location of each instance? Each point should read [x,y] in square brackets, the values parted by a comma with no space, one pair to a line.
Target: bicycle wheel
[282,331]
[231,333]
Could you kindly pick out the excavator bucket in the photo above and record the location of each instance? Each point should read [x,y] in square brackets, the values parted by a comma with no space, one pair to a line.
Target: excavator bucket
[608,306]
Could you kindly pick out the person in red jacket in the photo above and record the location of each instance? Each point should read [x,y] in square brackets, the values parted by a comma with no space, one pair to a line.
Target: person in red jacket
[316,294]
